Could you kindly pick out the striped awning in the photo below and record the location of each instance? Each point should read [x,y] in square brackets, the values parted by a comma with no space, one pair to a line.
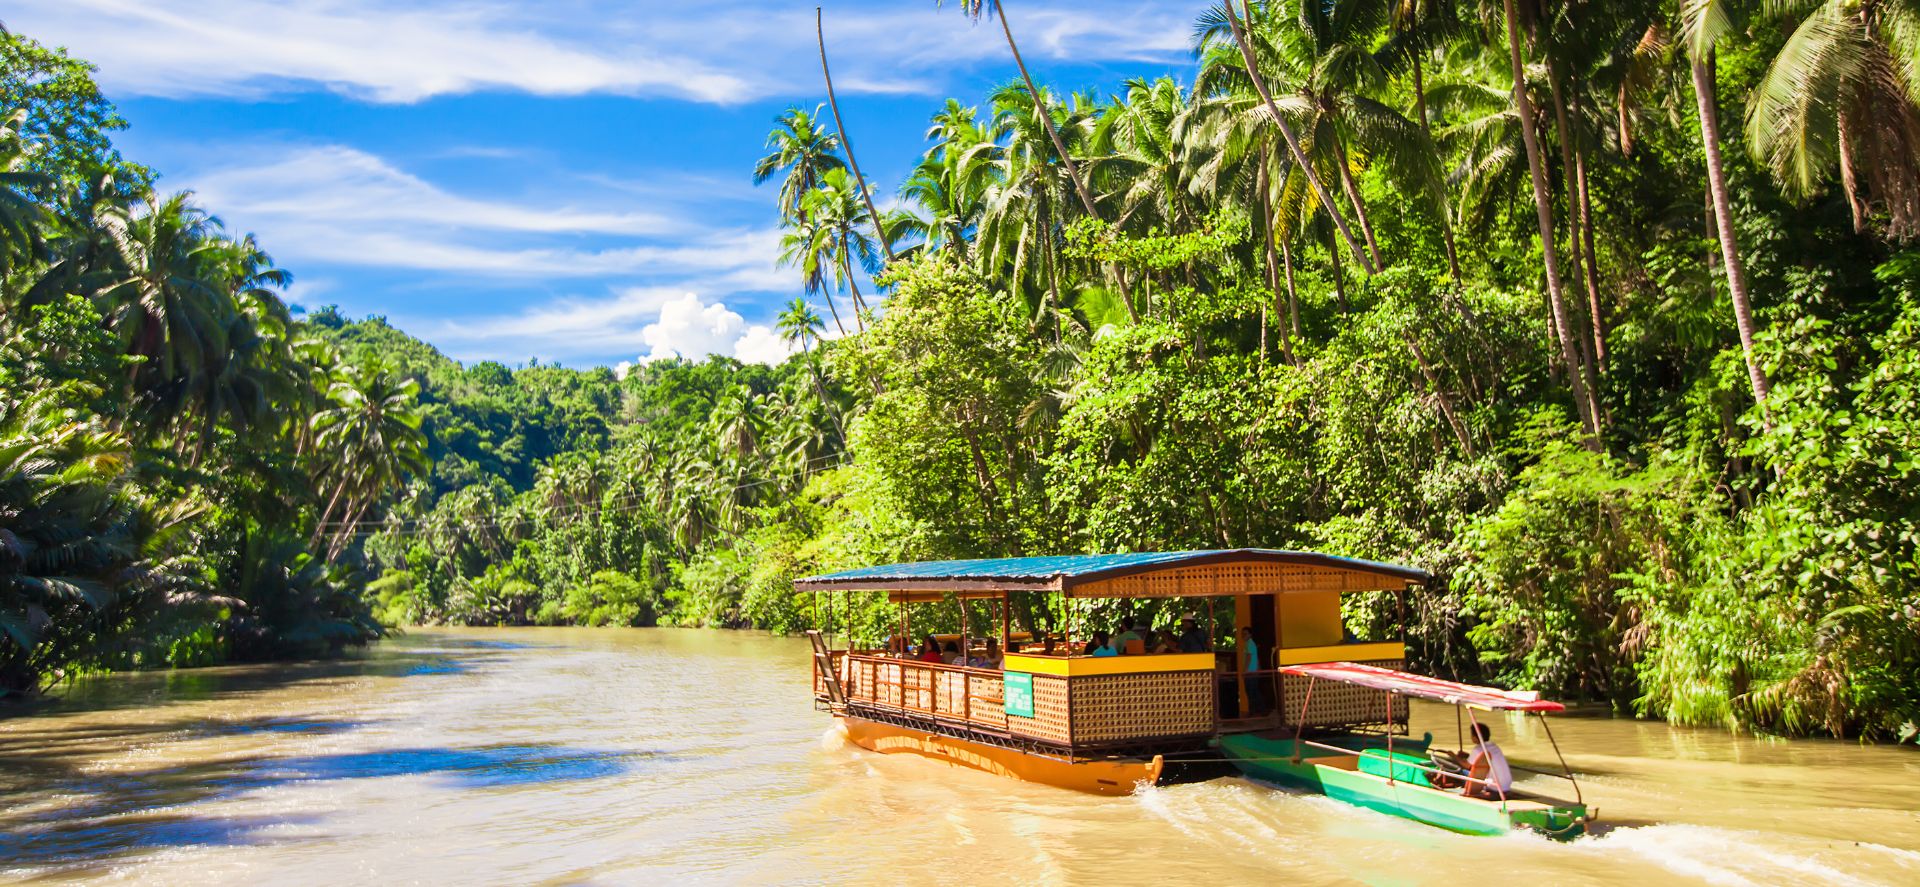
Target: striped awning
[1423,687]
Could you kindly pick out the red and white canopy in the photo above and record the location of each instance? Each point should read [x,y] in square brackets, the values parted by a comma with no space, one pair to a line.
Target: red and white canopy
[1487,698]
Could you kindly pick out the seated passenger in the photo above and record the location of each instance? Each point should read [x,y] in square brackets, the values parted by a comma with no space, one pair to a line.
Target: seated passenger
[951,654]
[1101,645]
[1164,641]
[930,650]
[1192,639]
[992,658]
[1129,640]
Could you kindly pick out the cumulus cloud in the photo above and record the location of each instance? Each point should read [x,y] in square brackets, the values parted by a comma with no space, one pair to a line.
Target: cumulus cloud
[398,51]
[693,328]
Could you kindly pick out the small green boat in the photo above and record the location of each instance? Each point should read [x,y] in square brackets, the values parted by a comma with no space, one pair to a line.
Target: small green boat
[1411,779]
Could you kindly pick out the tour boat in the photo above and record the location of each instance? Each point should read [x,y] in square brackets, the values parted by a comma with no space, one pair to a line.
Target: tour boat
[1111,724]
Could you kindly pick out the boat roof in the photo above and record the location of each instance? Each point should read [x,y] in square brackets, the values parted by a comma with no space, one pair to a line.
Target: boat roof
[1131,574]
[1423,687]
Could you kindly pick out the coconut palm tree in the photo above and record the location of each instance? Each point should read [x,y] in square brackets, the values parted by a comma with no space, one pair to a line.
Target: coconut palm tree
[1704,22]
[809,246]
[1844,92]
[800,147]
[835,206]
[840,127]
[1243,40]
[1584,401]
[974,9]
[369,439]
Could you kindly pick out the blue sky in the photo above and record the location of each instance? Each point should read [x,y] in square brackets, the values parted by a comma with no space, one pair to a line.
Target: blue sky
[567,180]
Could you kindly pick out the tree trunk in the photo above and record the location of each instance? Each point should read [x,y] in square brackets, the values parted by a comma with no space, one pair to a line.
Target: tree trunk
[1293,142]
[835,311]
[1585,223]
[1543,204]
[1353,197]
[1426,127]
[1273,272]
[841,129]
[846,266]
[1293,301]
[1046,119]
[1583,263]
[1339,276]
[1703,92]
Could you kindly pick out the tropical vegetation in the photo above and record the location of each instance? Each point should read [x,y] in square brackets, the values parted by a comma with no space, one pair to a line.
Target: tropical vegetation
[1605,313]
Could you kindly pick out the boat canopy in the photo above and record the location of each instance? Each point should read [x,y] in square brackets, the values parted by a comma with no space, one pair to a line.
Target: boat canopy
[1420,686]
[1133,575]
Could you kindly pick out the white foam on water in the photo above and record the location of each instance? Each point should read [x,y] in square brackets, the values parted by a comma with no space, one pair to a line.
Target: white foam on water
[1741,857]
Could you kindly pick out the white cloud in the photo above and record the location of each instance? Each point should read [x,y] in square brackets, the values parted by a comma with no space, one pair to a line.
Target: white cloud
[760,344]
[339,205]
[655,322]
[722,51]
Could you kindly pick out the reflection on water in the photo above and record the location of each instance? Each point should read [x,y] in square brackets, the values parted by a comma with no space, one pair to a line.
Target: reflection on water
[638,756]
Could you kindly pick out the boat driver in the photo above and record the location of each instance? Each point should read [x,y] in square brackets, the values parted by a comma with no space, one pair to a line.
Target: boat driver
[1489,775]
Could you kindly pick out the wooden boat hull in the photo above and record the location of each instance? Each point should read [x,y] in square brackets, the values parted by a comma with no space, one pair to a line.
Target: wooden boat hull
[1102,777]
[1271,760]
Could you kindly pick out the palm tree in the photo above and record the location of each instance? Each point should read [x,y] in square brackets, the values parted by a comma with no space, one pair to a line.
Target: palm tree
[802,149]
[809,246]
[1417,27]
[866,196]
[1845,91]
[974,9]
[835,206]
[1244,42]
[1704,23]
[1028,205]
[1583,399]
[801,325]
[370,436]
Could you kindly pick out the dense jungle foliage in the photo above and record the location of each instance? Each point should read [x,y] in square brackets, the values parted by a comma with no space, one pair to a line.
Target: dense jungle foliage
[1606,313]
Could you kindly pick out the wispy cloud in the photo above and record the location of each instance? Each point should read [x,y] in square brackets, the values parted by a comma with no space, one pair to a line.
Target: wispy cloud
[725,51]
[346,207]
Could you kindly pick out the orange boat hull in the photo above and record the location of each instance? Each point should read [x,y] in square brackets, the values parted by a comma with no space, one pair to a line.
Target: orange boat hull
[1119,777]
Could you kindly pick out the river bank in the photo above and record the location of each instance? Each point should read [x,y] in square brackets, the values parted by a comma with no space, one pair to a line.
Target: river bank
[641,755]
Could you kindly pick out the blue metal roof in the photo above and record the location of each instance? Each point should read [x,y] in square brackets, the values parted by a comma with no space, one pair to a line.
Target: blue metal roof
[1085,567]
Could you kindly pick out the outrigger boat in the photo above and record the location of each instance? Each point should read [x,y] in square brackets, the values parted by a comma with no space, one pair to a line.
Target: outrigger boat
[1410,778]
[1110,724]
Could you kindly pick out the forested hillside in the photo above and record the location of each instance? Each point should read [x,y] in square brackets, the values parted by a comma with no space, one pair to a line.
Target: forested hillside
[1627,353]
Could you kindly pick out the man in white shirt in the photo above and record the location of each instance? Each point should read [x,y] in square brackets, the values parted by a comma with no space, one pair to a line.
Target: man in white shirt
[1488,764]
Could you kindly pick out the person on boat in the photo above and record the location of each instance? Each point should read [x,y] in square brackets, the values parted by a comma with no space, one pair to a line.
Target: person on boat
[992,658]
[1258,702]
[1101,645]
[1129,640]
[1192,639]
[929,650]
[1165,641]
[1488,775]
[951,654]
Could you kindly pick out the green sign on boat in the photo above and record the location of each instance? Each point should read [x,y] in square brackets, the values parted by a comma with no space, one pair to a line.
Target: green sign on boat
[1018,694]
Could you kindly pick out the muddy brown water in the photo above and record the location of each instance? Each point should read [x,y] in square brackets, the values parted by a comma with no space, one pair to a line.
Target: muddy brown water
[613,756]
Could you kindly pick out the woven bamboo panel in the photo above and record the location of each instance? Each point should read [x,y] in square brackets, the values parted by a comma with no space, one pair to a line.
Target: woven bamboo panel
[1051,716]
[1339,705]
[916,687]
[1109,708]
[950,696]
[986,701]
[1250,577]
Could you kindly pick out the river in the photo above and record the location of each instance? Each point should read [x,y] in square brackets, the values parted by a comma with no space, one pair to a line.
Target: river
[618,756]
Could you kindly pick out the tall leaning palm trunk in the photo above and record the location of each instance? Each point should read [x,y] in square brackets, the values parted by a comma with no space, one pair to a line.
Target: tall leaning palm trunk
[1426,129]
[1703,92]
[976,8]
[1245,43]
[841,129]
[1583,400]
